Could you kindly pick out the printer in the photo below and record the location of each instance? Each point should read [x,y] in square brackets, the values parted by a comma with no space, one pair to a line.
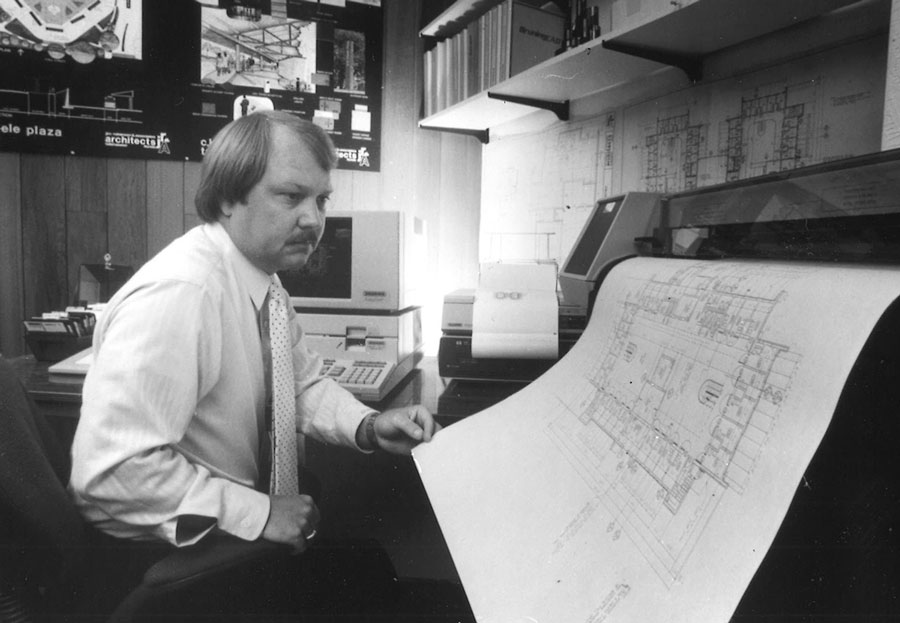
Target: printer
[455,354]
[616,228]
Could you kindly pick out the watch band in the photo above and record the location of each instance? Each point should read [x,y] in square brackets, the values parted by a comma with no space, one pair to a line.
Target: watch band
[371,437]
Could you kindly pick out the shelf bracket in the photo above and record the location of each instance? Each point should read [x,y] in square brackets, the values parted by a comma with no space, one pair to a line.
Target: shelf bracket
[560,109]
[690,65]
[482,135]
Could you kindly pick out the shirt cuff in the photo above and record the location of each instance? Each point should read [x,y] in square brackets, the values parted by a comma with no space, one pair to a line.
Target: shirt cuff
[245,512]
[244,515]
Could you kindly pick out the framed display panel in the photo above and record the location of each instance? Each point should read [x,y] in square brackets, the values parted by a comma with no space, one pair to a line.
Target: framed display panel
[134,78]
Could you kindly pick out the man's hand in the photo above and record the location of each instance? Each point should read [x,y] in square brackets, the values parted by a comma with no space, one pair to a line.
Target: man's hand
[292,521]
[400,430]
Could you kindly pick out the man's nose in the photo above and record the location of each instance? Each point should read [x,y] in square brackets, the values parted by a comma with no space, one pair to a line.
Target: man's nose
[310,215]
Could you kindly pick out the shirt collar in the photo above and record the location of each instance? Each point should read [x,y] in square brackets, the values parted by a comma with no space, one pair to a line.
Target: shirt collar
[255,280]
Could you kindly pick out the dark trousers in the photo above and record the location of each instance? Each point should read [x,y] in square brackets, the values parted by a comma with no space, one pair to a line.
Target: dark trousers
[339,580]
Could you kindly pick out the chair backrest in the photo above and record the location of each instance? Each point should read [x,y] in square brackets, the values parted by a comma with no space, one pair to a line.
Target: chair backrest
[42,536]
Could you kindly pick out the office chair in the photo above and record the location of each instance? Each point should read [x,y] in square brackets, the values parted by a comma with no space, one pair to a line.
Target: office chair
[53,566]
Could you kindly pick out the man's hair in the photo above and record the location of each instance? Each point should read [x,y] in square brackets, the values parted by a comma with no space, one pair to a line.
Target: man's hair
[239,154]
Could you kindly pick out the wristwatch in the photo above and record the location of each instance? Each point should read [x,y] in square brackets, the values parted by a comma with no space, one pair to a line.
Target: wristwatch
[371,437]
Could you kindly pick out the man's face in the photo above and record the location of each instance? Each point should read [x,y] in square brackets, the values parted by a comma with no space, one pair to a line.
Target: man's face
[281,222]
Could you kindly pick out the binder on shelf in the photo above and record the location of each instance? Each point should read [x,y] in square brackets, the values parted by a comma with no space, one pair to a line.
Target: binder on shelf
[505,49]
[473,85]
[482,55]
[494,44]
[428,70]
[440,98]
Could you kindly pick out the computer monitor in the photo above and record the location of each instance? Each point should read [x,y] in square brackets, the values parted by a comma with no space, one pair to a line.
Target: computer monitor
[608,234]
[98,282]
[367,260]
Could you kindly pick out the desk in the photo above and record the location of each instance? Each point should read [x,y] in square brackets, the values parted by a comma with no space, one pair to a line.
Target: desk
[60,395]
[376,495]
[57,398]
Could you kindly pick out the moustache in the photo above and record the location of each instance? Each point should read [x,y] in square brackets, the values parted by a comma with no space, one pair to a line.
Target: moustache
[310,239]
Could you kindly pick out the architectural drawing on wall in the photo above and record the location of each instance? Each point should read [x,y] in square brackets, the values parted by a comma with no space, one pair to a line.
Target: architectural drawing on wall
[81,29]
[272,53]
[774,131]
[684,400]
[671,152]
[766,129]
[539,212]
[115,107]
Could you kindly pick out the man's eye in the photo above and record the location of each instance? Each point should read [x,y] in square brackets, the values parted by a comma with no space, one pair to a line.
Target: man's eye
[322,201]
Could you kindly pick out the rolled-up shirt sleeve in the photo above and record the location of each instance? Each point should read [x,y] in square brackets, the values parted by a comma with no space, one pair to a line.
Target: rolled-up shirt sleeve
[130,476]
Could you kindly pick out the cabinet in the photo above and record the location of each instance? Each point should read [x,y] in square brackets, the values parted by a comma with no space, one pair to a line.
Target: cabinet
[667,36]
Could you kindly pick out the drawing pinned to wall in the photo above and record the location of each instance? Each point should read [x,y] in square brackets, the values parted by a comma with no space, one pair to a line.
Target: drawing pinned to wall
[274,51]
[772,120]
[773,130]
[81,30]
[318,60]
[73,76]
[671,147]
[546,185]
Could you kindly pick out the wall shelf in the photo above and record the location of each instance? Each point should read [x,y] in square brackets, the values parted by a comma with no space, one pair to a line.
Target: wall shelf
[702,27]
[574,74]
[676,35]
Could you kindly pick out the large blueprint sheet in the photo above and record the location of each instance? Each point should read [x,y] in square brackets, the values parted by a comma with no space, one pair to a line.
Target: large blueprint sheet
[644,476]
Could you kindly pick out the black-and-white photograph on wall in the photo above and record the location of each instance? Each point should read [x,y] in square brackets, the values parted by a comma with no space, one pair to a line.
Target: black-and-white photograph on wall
[273,53]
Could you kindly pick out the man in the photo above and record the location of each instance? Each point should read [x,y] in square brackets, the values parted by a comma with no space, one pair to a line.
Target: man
[174,439]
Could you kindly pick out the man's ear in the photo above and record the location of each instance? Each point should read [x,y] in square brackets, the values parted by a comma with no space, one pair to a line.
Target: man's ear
[227,208]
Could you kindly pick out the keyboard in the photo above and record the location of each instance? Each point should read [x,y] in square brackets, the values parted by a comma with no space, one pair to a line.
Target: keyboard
[363,378]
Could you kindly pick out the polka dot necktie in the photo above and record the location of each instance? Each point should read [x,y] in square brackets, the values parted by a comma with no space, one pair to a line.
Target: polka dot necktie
[284,430]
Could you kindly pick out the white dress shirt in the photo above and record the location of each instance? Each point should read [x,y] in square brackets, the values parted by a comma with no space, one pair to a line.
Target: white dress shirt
[173,404]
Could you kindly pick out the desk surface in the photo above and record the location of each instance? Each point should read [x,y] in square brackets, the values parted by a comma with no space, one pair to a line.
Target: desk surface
[44,387]
[448,399]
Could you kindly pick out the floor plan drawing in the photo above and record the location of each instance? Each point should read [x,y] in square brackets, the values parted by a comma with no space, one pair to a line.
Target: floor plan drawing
[658,458]
[644,477]
[683,400]
[671,151]
[775,130]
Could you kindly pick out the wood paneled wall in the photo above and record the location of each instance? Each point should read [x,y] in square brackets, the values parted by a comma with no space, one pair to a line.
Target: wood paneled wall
[57,212]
